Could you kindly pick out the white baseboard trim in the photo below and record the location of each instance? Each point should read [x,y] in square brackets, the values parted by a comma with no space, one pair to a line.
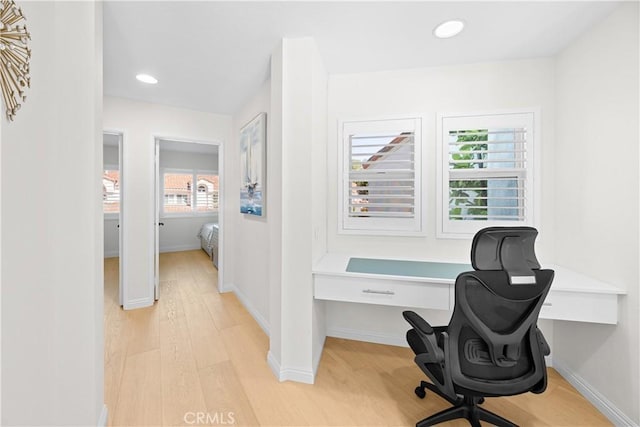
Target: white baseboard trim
[367,336]
[259,318]
[111,254]
[608,409]
[138,303]
[318,356]
[289,374]
[274,364]
[179,248]
[104,417]
[226,287]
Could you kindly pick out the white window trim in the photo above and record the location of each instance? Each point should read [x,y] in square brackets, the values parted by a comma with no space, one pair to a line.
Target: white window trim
[194,188]
[380,226]
[533,208]
[112,215]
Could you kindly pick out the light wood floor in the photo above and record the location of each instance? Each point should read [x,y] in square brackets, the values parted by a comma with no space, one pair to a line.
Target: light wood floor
[198,353]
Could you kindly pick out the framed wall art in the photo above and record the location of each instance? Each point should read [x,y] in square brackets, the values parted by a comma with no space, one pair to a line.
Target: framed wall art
[253,139]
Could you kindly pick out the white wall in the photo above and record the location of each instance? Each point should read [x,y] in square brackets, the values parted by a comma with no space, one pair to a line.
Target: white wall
[250,233]
[466,88]
[299,108]
[179,233]
[597,199]
[52,276]
[139,122]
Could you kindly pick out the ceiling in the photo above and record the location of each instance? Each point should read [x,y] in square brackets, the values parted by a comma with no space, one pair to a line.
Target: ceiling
[213,56]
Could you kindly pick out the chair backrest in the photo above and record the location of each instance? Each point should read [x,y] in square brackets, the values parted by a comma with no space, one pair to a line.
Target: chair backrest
[494,344]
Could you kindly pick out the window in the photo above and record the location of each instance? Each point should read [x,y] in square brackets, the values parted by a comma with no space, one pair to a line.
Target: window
[207,195]
[380,189]
[181,196]
[111,191]
[486,172]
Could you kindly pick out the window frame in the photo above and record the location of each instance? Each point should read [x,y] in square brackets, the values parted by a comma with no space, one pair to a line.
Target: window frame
[194,193]
[112,215]
[530,117]
[380,226]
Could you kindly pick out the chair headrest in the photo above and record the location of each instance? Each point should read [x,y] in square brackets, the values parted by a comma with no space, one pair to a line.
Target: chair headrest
[507,248]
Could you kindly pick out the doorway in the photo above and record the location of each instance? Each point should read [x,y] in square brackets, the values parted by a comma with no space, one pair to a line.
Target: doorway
[188,201]
[112,202]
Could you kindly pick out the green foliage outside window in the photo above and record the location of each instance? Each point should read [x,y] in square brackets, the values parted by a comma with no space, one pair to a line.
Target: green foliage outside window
[462,196]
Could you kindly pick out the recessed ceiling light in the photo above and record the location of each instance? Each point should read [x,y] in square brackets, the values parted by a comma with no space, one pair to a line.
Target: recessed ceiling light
[448,29]
[146,78]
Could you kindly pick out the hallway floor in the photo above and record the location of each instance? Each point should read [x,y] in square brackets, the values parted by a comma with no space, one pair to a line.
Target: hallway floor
[197,357]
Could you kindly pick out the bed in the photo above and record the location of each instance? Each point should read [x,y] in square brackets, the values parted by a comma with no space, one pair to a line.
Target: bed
[208,236]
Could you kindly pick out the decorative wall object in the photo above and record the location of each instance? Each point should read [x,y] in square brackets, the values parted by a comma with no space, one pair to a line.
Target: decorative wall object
[252,165]
[14,56]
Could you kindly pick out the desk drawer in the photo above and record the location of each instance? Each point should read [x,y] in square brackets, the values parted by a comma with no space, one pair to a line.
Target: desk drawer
[581,307]
[383,292]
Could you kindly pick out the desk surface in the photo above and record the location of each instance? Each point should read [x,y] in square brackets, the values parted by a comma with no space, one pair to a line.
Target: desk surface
[393,267]
[443,272]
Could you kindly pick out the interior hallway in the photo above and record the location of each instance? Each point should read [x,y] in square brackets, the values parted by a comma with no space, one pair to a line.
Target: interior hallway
[199,353]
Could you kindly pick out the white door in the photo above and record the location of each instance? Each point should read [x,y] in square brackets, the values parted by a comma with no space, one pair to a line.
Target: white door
[157,223]
[120,225]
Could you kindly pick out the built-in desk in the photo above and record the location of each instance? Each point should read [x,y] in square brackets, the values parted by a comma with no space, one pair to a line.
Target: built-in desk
[423,284]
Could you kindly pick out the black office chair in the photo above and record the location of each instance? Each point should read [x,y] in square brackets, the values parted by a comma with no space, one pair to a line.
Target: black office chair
[492,345]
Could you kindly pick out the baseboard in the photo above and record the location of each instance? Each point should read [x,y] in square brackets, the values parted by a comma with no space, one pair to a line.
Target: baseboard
[367,336]
[318,356]
[138,303]
[180,248]
[289,374]
[608,409]
[274,364]
[104,417]
[226,287]
[111,254]
[259,318]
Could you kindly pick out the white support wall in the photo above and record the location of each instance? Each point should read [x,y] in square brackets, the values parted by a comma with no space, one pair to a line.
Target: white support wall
[298,117]
[52,275]
[596,205]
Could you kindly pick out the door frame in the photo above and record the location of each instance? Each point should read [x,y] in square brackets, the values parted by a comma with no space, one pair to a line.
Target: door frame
[155,209]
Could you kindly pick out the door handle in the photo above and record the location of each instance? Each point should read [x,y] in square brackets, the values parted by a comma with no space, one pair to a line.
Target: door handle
[161,224]
[372,291]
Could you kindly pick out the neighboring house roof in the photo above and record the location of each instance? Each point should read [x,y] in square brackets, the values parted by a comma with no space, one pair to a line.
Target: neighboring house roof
[113,176]
[181,183]
[392,146]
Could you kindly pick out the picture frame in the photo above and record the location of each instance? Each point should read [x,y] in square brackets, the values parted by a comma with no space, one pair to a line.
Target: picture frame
[253,139]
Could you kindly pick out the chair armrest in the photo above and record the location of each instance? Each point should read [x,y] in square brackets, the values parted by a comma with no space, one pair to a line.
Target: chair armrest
[417,322]
[544,345]
[434,353]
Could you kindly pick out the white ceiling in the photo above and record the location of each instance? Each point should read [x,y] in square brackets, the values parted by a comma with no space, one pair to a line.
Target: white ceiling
[213,56]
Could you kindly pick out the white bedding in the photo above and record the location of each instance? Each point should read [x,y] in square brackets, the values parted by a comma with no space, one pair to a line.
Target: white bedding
[208,236]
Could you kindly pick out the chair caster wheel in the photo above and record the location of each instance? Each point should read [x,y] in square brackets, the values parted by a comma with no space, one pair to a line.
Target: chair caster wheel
[420,392]
[481,401]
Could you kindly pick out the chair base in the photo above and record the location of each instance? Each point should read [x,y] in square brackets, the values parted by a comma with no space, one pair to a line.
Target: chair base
[466,407]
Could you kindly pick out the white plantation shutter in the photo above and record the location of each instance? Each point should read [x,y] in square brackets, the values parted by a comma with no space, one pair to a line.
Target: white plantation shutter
[381,163]
[487,171]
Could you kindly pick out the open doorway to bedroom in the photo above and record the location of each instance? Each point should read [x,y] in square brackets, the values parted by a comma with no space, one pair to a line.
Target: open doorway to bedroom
[188,211]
